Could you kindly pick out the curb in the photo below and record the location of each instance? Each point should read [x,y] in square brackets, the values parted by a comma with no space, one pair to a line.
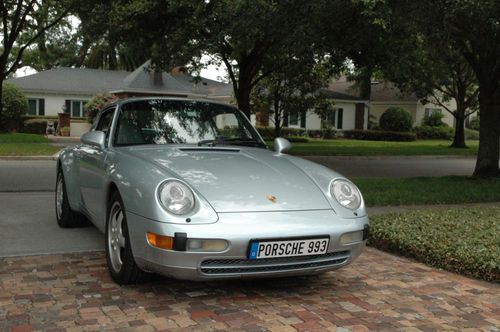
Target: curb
[52,157]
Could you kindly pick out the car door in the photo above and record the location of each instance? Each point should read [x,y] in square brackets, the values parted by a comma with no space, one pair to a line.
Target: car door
[93,172]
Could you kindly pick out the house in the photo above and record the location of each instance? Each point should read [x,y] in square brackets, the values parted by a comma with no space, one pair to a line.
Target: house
[68,89]
[385,95]
[349,112]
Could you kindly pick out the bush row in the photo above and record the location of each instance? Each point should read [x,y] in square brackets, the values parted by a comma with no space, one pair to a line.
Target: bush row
[443,132]
[267,133]
[34,126]
[376,135]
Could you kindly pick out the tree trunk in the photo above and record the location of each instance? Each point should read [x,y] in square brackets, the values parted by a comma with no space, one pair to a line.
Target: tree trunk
[459,138]
[277,118]
[489,134]
[243,99]
[3,124]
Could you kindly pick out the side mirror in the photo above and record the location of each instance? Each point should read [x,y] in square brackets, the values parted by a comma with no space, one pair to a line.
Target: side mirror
[282,145]
[94,138]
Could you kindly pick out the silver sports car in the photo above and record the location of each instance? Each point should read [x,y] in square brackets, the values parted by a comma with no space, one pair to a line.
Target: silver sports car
[188,189]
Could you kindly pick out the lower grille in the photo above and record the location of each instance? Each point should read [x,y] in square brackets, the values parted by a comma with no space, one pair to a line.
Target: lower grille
[242,266]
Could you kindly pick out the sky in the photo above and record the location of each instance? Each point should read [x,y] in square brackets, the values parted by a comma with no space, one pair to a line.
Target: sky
[212,72]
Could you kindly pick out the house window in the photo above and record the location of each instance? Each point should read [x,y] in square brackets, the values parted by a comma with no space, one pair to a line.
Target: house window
[75,107]
[430,111]
[293,119]
[36,106]
[335,118]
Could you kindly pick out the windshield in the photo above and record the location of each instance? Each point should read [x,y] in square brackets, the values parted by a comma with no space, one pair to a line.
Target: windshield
[160,121]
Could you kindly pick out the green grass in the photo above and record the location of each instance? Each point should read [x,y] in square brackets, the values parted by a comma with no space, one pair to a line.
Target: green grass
[428,190]
[345,147]
[465,240]
[25,145]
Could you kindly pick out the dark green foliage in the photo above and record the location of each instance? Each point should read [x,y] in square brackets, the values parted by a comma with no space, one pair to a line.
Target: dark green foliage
[298,139]
[15,106]
[34,127]
[267,133]
[465,241]
[396,119]
[434,132]
[375,135]
[434,119]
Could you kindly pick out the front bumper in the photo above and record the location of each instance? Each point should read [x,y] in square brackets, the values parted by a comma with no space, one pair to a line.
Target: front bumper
[238,229]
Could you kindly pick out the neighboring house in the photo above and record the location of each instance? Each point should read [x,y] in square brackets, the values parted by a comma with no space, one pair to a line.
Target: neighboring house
[385,95]
[68,89]
[349,112]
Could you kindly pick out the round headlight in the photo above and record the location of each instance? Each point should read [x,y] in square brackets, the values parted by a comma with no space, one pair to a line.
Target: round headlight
[176,197]
[346,194]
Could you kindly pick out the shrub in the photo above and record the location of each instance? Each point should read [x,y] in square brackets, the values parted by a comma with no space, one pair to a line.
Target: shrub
[97,103]
[434,119]
[396,119]
[439,132]
[374,135]
[15,105]
[34,127]
[474,123]
[267,133]
[471,135]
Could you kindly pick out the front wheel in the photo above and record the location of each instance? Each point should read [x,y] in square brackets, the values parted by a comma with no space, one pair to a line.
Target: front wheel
[119,256]
[66,217]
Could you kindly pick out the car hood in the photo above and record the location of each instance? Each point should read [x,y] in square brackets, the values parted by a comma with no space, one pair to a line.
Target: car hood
[239,179]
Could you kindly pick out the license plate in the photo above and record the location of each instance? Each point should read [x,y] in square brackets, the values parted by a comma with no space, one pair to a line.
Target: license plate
[287,248]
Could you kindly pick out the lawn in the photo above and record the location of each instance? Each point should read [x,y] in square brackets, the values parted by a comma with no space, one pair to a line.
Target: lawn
[465,240]
[345,147]
[25,145]
[428,190]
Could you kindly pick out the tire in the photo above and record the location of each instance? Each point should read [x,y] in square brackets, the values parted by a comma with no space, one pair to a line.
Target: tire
[66,217]
[119,256]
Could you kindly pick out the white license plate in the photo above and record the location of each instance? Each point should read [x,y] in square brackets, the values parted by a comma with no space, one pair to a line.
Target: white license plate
[287,248]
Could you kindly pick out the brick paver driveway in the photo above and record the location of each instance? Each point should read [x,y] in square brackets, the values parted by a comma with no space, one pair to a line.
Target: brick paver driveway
[377,292]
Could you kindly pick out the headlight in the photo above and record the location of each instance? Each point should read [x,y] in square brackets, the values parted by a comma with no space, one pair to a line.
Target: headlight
[206,245]
[346,194]
[176,197]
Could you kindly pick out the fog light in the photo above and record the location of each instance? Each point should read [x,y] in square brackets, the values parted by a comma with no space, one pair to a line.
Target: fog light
[160,241]
[351,237]
[206,245]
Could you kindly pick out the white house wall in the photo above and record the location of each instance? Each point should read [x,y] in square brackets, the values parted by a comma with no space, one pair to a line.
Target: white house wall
[54,103]
[448,118]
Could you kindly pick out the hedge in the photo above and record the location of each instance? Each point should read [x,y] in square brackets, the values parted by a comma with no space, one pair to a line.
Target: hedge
[376,135]
[434,132]
[267,133]
[462,240]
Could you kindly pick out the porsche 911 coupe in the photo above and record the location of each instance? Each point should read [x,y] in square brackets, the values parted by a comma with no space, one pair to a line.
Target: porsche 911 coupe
[189,189]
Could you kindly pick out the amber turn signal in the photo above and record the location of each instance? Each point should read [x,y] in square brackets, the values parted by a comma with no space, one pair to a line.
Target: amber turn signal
[160,241]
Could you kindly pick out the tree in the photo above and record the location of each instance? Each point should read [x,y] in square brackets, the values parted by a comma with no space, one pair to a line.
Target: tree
[19,30]
[437,73]
[292,91]
[473,29]
[15,104]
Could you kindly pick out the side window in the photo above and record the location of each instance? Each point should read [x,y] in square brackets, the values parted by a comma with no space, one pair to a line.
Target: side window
[105,122]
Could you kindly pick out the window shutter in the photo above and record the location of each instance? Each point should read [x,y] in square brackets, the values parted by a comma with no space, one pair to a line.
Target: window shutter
[68,106]
[340,118]
[303,119]
[41,106]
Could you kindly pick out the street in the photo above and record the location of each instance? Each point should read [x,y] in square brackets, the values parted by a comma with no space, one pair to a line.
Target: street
[40,175]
